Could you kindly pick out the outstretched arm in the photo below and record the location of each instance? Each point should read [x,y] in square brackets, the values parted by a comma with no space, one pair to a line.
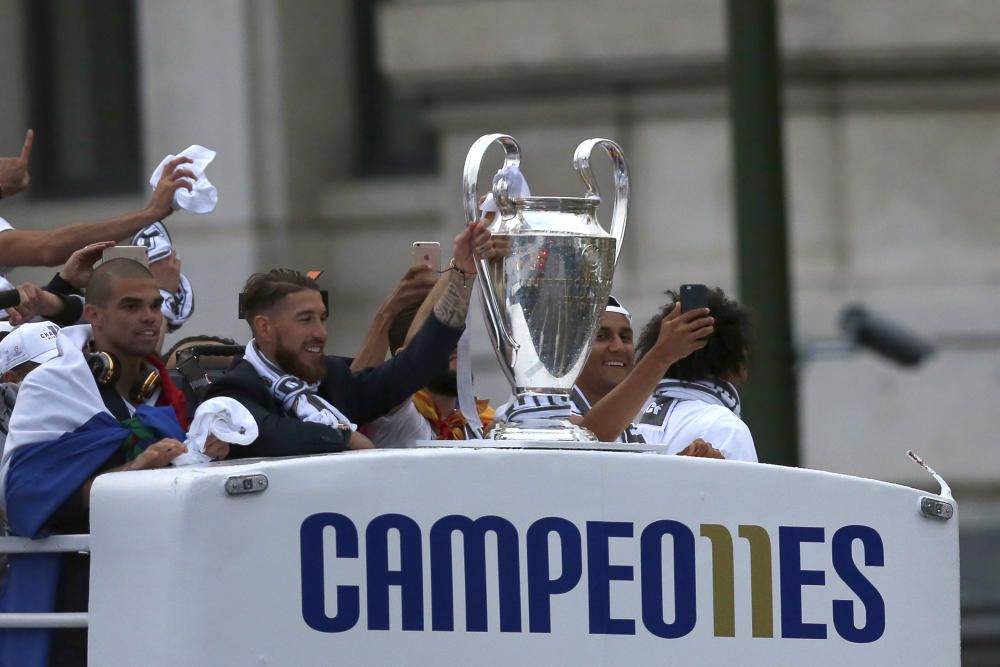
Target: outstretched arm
[449,300]
[52,247]
[411,290]
[680,335]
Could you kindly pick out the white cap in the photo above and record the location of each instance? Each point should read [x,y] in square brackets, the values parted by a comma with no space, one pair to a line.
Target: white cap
[29,342]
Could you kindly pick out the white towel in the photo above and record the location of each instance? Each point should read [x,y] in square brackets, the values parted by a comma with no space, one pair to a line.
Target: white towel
[203,197]
[226,419]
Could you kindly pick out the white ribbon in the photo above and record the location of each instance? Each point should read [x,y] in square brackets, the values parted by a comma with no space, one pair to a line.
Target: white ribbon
[517,188]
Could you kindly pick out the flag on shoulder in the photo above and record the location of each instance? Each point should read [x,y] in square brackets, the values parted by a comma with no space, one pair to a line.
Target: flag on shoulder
[61,434]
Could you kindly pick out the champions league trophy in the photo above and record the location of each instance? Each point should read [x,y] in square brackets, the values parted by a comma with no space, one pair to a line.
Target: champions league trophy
[546,280]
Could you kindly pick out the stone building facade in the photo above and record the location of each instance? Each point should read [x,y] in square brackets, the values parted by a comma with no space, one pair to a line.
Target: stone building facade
[892,153]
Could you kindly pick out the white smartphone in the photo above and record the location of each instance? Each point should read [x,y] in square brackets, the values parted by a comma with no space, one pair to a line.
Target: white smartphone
[427,253]
[137,253]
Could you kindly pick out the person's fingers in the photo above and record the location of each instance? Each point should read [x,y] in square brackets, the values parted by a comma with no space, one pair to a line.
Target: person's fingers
[699,322]
[28,292]
[694,314]
[673,314]
[95,248]
[183,173]
[173,164]
[29,141]
[703,332]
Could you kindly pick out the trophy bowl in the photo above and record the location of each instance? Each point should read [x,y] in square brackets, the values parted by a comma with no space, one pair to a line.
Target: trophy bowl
[545,281]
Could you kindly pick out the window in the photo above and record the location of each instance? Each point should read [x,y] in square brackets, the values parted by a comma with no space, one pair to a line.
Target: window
[393,140]
[84,106]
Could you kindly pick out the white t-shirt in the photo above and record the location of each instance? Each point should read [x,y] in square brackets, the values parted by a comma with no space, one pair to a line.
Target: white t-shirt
[678,425]
[400,429]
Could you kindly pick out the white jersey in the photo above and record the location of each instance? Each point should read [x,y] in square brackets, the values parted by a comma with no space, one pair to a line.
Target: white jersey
[553,407]
[401,428]
[681,412]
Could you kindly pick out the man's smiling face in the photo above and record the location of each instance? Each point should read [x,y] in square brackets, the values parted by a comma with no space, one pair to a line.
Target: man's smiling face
[611,356]
[296,336]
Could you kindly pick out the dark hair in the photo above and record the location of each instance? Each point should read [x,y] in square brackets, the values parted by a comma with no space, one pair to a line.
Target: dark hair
[727,352]
[99,287]
[263,290]
[400,326]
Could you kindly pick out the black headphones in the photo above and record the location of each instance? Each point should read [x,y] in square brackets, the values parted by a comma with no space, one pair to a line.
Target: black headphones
[107,369]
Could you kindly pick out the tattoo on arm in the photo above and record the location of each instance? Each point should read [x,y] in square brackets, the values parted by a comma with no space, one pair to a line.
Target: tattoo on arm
[454,303]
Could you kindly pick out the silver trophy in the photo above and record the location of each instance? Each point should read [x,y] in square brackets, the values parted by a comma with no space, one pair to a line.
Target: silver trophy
[546,280]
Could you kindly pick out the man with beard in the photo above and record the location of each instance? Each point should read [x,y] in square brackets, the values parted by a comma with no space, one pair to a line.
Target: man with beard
[305,402]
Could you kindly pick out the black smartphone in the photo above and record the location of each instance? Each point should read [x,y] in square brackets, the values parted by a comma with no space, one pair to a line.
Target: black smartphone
[693,296]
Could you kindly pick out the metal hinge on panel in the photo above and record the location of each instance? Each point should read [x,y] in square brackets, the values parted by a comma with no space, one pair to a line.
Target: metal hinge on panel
[936,509]
[240,484]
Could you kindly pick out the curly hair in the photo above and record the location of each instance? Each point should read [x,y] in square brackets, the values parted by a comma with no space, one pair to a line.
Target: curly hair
[728,349]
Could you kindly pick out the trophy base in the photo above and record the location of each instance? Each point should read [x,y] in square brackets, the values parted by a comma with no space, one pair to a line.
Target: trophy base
[542,430]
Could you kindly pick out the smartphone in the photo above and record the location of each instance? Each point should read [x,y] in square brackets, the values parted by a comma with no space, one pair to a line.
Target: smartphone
[138,253]
[427,253]
[693,296]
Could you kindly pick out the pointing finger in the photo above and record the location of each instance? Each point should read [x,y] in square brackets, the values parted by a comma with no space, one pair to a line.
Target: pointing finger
[29,140]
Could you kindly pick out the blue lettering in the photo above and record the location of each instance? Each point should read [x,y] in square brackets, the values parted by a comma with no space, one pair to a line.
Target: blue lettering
[793,578]
[311,550]
[409,576]
[474,538]
[600,574]
[540,587]
[843,563]
[685,607]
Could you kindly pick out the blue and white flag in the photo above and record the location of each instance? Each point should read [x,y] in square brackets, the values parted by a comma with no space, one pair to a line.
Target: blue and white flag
[61,435]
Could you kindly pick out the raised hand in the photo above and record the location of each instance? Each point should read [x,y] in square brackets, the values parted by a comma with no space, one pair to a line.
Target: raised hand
[682,334]
[473,239]
[167,273]
[411,290]
[14,175]
[172,178]
[80,265]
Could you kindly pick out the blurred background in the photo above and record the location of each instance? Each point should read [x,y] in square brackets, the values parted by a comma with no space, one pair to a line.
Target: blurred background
[342,126]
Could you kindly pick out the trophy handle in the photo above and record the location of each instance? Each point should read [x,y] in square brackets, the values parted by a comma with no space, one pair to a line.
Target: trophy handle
[581,162]
[500,337]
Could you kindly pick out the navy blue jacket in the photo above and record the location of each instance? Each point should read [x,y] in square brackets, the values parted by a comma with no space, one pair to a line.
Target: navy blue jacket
[362,397]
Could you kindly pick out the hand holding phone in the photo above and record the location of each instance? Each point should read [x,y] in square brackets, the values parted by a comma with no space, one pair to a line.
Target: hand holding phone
[693,296]
[427,253]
